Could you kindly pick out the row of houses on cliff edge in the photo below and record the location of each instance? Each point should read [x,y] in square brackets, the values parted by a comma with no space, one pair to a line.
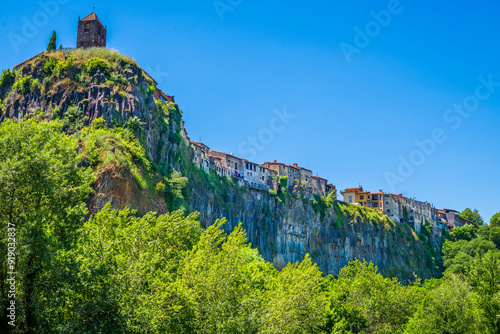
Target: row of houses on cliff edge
[259,176]
[402,209]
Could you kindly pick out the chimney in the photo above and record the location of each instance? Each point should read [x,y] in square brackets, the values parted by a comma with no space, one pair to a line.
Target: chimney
[275,161]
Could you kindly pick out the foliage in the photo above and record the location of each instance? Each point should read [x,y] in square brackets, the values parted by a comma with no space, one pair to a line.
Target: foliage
[491,233]
[99,123]
[74,119]
[448,308]
[494,222]
[97,64]
[363,300]
[114,148]
[49,66]
[472,216]
[52,42]
[226,277]
[484,277]
[23,84]
[466,232]
[42,189]
[124,267]
[295,302]
[7,78]
[67,68]
[175,187]
[458,256]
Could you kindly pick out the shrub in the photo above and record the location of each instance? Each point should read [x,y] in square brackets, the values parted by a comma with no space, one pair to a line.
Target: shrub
[74,119]
[49,66]
[7,78]
[67,68]
[99,123]
[135,125]
[94,64]
[160,187]
[54,113]
[23,84]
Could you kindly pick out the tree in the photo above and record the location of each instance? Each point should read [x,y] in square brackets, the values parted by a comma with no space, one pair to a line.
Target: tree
[466,232]
[484,277]
[42,189]
[491,233]
[363,300]
[449,308]
[458,256]
[227,279]
[125,270]
[74,119]
[495,220]
[472,216]
[52,42]
[295,303]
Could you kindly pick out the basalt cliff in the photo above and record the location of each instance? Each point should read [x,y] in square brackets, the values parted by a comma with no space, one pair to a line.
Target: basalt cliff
[104,85]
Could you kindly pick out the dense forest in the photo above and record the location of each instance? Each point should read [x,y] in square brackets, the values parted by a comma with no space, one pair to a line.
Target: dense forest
[67,269]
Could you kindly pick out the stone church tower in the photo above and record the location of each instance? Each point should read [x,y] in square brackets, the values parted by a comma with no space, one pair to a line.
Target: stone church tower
[91,32]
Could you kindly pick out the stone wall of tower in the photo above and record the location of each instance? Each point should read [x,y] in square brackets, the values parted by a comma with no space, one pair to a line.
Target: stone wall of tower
[90,33]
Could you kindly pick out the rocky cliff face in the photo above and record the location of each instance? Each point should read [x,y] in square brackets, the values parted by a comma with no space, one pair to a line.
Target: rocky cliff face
[284,229]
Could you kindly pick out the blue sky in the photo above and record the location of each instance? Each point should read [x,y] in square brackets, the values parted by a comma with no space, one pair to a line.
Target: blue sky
[234,65]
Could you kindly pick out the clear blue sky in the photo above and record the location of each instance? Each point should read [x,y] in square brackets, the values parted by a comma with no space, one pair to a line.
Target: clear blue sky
[353,120]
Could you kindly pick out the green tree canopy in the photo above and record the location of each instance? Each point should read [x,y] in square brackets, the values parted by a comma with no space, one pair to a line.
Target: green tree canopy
[449,308]
[466,232]
[52,42]
[473,216]
[458,256]
[42,189]
[495,220]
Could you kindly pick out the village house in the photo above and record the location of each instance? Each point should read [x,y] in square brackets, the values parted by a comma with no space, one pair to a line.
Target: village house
[233,164]
[355,195]
[251,173]
[201,158]
[217,165]
[266,177]
[319,185]
[451,219]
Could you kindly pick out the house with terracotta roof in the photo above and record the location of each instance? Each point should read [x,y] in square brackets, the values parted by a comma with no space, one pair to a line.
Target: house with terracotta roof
[451,219]
[266,176]
[200,157]
[355,195]
[233,164]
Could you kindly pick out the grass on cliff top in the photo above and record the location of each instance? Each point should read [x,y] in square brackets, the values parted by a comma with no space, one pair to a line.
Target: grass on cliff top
[359,213]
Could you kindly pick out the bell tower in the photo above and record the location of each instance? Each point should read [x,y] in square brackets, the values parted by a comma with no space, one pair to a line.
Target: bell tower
[91,32]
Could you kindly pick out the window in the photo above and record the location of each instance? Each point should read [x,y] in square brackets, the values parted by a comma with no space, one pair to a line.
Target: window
[386,203]
[375,205]
[361,197]
[87,27]
[389,211]
[350,197]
